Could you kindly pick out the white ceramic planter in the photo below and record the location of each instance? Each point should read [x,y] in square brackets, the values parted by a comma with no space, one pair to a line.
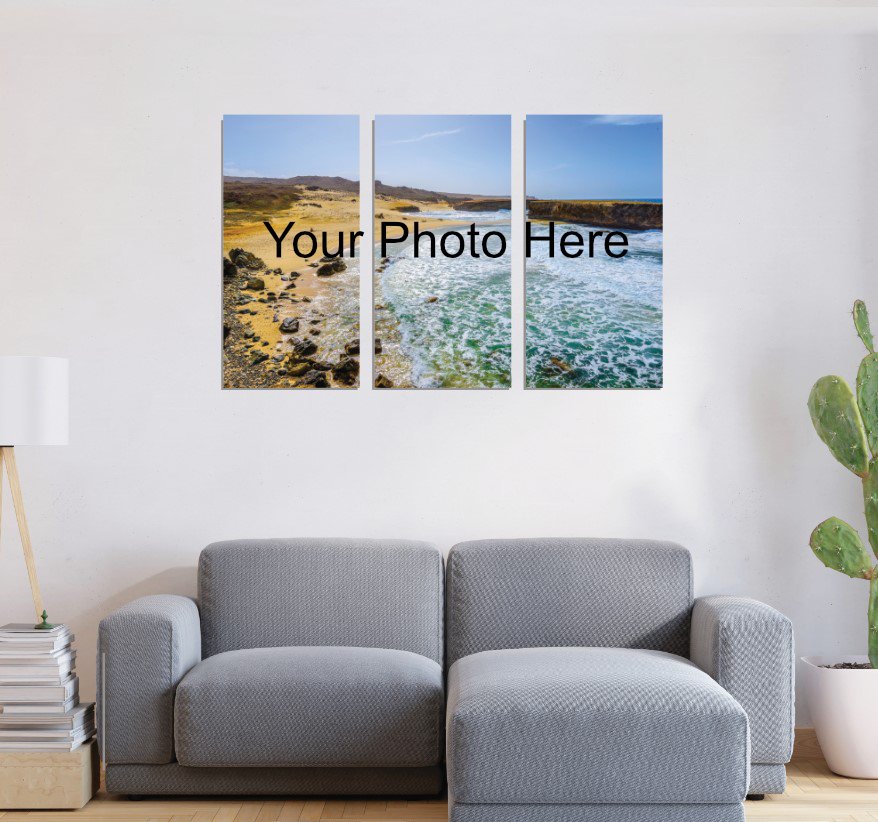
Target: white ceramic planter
[844,707]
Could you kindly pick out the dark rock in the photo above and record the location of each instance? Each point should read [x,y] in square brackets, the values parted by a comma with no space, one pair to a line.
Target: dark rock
[249,334]
[306,299]
[431,299]
[255,284]
[378,346]
[244,259]
[314,322]
[226,331]
[317,379]
[408,210]
[383,382]
[290,325]
[304,348]
[298,369]
[314,332]
[346,371]
[352,347]
[229,268]
[560,364]
[328,269]
[258,357]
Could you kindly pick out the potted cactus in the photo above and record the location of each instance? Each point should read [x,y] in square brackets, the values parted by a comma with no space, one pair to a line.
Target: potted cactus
[842,694]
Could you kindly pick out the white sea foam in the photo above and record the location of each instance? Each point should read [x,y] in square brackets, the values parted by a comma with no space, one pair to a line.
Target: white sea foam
[462,339]
[596,322]
[484,217]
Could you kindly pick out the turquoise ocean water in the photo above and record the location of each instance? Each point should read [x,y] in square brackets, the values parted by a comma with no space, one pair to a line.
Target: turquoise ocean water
[595,323]
[462,338]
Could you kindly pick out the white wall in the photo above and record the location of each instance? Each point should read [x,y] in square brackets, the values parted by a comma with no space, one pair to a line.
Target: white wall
[109,254]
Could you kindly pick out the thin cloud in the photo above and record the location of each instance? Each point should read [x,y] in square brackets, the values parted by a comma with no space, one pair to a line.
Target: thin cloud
[626,119]
[428,136]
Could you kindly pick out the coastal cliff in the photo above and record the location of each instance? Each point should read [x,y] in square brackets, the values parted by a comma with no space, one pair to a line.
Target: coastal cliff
[483,204]
[602,213]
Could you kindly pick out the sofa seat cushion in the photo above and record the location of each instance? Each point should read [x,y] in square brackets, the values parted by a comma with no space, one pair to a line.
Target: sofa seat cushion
[310,706]
[592,725]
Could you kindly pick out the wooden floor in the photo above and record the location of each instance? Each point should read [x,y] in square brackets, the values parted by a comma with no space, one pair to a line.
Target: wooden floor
[814,794]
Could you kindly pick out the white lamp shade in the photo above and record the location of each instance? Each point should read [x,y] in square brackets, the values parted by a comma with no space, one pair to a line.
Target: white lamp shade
[34,400]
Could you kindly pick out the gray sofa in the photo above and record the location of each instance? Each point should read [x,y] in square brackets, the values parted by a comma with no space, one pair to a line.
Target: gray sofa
[307,667]
[586,685]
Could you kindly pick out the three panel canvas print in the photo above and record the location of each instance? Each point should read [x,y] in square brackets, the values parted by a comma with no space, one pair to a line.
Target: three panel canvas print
[442,254]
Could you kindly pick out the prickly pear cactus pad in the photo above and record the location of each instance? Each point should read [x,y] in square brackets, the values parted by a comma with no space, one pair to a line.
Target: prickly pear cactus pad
[849,427]
[861,323]
[838,546]
[867,398]
[870,498]
[837,421]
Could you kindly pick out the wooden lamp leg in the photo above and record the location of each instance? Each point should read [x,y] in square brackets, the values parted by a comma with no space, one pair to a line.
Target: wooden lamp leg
[8,457]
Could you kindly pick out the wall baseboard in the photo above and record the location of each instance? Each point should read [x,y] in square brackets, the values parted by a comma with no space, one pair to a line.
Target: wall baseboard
[806,745]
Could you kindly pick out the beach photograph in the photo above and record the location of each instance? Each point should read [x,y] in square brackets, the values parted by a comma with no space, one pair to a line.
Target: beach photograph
[291,184]
[441,306]
[595,321]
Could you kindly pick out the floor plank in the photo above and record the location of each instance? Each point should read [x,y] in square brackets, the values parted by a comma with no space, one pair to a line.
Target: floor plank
[814,794]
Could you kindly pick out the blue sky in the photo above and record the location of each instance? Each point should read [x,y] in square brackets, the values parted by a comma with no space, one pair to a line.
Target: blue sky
[594,157]
[287,145]
[466,154]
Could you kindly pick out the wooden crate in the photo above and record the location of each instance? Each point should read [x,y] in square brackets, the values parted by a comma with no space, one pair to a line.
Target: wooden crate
[49,779]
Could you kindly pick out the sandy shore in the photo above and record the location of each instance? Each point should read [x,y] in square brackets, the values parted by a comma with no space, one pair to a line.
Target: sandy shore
[257,352]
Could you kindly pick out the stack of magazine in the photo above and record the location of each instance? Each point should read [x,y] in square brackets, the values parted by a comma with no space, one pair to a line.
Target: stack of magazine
[39,691]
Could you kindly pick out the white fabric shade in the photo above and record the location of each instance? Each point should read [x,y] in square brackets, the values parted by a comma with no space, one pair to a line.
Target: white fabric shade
[34,400]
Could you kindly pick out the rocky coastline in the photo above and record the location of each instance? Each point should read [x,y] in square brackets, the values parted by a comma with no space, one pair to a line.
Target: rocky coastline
[291,359]
[621,214]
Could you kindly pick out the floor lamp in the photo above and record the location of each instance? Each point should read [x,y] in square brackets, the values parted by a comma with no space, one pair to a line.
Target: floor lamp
[33,411]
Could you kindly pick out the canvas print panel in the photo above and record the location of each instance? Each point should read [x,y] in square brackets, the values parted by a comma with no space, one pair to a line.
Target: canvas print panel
[442,294]
[594,320]
[291,212]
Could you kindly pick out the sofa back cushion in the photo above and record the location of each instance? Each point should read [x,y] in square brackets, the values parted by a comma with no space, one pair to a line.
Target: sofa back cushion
[337,592]
[533,593]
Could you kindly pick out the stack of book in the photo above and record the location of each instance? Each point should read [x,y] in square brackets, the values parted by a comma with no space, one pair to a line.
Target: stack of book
[39,691]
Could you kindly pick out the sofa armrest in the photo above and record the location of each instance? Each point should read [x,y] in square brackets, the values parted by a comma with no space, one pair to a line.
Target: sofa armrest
[747,647]
[144,650]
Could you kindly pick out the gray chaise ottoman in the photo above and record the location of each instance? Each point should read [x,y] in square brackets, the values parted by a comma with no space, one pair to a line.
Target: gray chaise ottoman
[572,697]
[307,667]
